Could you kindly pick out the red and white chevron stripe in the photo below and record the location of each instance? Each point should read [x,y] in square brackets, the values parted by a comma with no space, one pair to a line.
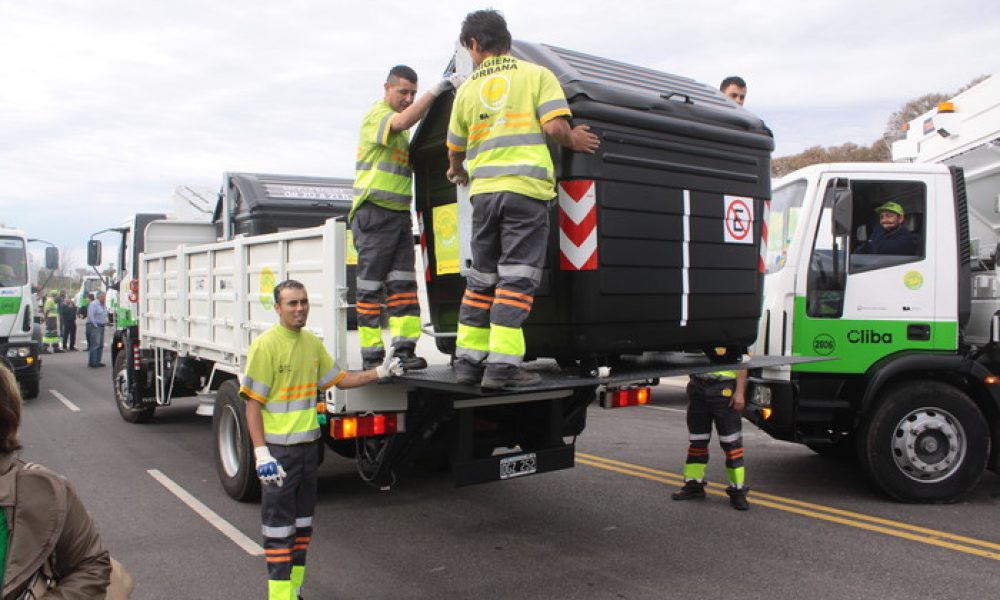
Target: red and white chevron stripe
[762,258]
[423,246]
[577,225]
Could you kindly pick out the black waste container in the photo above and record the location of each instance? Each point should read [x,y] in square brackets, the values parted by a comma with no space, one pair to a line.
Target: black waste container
[655,241]
[263,203]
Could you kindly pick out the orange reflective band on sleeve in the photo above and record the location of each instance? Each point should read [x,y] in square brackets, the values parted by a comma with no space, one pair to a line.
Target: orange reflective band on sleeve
[245,391]
[335,381]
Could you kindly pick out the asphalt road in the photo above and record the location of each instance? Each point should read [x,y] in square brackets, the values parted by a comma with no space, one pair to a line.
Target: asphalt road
[605,529]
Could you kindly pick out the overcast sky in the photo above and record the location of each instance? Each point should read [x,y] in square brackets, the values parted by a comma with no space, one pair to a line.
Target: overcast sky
[106,106]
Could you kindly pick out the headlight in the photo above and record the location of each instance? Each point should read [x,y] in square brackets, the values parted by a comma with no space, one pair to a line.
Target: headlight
[18,352]
[761,396]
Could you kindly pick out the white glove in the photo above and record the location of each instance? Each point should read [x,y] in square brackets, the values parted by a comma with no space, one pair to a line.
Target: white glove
[450,82]
[268,468]
[390,367]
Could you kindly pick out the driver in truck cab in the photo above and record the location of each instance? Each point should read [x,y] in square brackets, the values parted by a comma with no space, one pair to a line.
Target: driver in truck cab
[891,237]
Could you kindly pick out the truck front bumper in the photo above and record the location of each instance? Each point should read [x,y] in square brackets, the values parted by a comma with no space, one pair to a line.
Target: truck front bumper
[771,406]
[23,359]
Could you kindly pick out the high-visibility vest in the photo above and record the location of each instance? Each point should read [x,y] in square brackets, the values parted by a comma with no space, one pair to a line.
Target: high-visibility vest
[497,121]
[285,370]
[382,172]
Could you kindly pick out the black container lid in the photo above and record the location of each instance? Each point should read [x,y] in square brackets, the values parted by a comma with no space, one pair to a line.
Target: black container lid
[255,191]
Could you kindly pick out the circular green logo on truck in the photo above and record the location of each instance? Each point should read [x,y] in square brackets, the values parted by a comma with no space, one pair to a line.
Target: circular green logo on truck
[267,283]
[823,344]
[913,280]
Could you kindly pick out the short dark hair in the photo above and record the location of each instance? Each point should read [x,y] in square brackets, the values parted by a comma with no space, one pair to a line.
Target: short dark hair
[732,80]
[403,72]
[10,410]
[487,27]
[288,284]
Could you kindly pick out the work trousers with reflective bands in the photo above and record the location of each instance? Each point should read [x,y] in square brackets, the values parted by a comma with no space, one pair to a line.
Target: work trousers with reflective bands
[708,402]
[287,514]
[384,241]
[509,236]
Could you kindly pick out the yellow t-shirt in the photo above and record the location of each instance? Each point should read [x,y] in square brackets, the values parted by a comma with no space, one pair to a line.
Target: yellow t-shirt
[285,370]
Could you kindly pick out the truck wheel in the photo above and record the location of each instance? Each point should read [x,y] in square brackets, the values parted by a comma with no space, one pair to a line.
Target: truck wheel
[30,389]
[125,396]
[234,461]
[926,442]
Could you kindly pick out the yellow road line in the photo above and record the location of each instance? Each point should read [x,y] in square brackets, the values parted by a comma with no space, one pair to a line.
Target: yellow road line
[889,527]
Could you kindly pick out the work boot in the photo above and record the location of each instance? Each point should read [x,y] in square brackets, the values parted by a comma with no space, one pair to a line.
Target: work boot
[738,497]
[692,490]
[508,378]
[467,373]
[367,364]
[410,361]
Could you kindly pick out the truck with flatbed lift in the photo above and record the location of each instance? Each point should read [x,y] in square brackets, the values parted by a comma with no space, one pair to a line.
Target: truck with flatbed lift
[658,249]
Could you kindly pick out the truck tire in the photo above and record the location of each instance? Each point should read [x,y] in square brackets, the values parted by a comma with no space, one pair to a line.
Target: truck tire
[30,389]
[926,442]
[125,393]
[234,461]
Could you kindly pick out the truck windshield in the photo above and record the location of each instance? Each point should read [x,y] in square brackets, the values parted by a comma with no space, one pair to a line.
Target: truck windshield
[783,221]
[13,262]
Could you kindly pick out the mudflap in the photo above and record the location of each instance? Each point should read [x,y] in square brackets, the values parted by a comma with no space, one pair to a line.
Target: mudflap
[513,465]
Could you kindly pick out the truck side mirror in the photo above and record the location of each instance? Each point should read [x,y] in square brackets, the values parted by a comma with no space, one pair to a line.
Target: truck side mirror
[843,207]
[51,258]
[94,253]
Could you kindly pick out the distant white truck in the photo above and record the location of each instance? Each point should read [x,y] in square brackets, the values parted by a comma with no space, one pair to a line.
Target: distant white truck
[913,387]
[20,338]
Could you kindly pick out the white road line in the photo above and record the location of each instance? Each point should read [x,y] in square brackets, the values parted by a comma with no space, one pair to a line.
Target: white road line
[65,401]
[680,410]
[248,545]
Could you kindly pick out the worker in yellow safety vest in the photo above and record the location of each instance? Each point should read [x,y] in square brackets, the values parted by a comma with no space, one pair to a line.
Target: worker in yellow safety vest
[380,219]
[499,123]
[287,367]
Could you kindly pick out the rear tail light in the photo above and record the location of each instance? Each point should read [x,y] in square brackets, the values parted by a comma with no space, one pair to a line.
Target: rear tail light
[632,396]
[345,428]
[133,291]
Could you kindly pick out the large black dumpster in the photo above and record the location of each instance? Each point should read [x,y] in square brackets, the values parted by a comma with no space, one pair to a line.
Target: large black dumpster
[263,204]
[655,239]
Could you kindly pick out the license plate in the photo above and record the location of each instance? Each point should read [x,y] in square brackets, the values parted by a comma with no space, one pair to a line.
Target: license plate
[516,466]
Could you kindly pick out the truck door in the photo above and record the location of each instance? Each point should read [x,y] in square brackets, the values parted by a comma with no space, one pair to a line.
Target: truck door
[866,299]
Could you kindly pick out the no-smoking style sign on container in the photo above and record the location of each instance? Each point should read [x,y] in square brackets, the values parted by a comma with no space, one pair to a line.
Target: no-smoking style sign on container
[738,220]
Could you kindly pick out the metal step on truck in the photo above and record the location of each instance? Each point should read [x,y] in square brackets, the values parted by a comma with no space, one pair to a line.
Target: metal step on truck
[667,258]
[913,385]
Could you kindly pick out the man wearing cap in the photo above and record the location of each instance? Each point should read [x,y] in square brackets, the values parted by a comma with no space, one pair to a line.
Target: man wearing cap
[891,237]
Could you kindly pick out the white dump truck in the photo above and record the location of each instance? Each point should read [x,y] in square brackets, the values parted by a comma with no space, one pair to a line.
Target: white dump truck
[913,387]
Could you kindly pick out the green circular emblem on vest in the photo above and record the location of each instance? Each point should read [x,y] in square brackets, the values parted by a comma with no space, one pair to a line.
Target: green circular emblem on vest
[913,280]
[267,283]
[824,345]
